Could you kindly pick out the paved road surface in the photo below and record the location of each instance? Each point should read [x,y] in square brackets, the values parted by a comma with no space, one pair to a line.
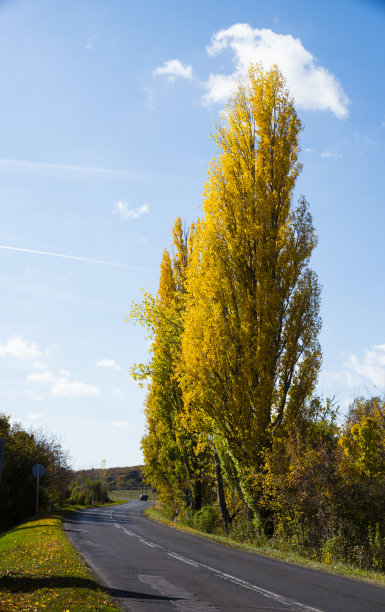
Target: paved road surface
[150,567]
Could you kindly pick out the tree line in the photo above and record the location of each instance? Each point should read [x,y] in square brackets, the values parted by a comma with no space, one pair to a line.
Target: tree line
[130,477]
[24,449]
[235,435]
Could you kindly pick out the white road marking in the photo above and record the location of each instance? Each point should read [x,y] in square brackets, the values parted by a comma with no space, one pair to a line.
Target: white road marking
[148,543]
[183,559]
[284,601]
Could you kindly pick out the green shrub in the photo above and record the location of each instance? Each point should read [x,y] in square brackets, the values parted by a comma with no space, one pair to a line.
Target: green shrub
[207,519]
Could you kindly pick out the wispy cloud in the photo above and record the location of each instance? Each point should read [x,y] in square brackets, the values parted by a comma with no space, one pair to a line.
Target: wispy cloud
[43,377]
[34,416]
[73,257]
[331,154]
[108,363]
[121,208]
[173,69]
[150,99]
[121,424]
[39,365]
[359,375]
[61,386]
[18,347]
[313,86]
[22,165]
[90,43]
[370,368]
[32,395]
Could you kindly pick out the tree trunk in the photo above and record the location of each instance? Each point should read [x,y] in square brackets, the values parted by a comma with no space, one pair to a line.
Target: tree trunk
[221,493]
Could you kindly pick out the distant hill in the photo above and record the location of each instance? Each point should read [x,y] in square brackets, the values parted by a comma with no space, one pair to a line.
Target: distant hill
[116,477]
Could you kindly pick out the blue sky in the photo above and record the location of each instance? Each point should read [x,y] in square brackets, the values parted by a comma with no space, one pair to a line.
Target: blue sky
[106,111]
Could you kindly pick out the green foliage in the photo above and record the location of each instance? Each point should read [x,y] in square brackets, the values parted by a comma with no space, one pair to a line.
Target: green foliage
[130,477]
[207,519]
[18,487]
[87,491]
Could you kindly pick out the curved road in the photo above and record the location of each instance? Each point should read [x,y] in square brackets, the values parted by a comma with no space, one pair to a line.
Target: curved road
[147,566]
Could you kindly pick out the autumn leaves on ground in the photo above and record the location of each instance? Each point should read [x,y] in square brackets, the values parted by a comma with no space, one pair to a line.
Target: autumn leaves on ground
[237,439]
[41,571]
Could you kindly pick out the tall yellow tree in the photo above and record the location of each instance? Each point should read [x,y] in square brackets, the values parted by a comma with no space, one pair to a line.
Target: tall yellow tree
[173,464]
[250,355]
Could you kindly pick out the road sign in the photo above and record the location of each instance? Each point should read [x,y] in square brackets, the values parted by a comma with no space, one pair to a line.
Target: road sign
[38,470]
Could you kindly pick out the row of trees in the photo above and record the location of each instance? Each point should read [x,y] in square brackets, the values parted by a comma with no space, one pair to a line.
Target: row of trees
[231,415]
[23,449]
[130,477]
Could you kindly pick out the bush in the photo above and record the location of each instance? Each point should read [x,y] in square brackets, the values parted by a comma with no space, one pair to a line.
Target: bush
[207,519]
[88,491]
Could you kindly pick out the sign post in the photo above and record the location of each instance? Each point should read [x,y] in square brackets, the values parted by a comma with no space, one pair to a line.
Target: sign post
[38,470]
[2,447]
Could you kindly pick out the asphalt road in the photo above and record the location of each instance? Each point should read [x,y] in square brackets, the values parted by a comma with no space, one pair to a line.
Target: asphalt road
[147,567]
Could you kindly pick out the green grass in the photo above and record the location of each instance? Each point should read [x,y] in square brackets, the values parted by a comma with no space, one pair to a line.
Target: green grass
[340,569]
[129,494]
[40,570]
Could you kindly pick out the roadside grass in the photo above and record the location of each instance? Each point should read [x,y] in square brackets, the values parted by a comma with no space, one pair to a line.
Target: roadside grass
[40,570]
[340,569]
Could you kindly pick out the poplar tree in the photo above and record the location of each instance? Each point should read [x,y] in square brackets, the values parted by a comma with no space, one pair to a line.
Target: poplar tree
[250,355]
[173,464]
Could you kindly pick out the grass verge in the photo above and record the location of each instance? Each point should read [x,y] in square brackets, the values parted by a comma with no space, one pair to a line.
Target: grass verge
[340,569]
[40,570]
[128,494]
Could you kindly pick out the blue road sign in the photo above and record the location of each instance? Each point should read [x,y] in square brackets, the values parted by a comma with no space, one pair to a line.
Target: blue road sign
[38,470]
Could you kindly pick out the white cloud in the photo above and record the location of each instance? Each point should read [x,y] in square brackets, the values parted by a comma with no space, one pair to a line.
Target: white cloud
[331,154]
[370,369]
[24,166]
[358,376]
[313,87]
[75,258]
[36,397]
[173,69]
[34,416]
[44,377]
[63,387]
[90,43]
[150,99]
[18,347]
[108,363]
[39,365]
[121,424]
[122,209]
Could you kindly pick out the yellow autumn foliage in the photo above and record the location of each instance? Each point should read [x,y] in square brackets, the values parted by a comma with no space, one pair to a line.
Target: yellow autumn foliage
[250,355]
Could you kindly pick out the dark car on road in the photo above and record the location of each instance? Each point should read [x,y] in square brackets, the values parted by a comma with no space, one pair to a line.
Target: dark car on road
[143,497]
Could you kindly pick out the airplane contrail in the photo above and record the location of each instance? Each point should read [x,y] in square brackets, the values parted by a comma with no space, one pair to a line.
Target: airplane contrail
[86,259]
